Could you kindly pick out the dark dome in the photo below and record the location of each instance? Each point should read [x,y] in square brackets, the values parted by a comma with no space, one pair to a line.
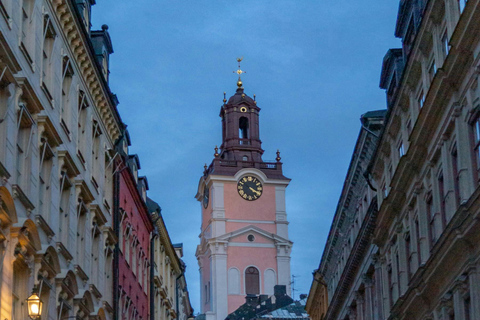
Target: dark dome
[240,97]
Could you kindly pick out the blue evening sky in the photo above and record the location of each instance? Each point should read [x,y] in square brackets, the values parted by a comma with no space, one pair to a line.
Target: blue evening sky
[314,66]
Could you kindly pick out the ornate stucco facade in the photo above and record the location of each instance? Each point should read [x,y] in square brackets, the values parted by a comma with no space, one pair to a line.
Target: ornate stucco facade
[244,245]
[69,190]
[169,296]
[58,121]
[423,258]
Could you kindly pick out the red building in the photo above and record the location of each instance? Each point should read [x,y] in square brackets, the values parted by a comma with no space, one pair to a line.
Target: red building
[133,228]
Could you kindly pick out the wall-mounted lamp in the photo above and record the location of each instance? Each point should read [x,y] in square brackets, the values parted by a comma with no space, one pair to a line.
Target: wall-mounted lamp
[34,307]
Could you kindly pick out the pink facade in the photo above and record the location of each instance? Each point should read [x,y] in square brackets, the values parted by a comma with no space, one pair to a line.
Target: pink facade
[134,248]
[244,246]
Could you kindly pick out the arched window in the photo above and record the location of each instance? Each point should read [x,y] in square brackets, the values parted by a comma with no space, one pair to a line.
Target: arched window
[252,281]
[243,128]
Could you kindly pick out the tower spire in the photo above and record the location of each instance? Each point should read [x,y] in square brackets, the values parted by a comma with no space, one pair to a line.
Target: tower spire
[239,72]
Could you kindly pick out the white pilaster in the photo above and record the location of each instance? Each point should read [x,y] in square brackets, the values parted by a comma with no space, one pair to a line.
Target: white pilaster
[219,281]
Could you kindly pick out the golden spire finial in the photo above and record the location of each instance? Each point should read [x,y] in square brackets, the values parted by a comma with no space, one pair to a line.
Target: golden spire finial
[278,158]
[224,97]
[216,152]
[239,72]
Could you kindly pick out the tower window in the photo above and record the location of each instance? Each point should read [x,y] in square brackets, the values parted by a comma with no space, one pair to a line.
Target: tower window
[252,283]
[243,128]
[245,158]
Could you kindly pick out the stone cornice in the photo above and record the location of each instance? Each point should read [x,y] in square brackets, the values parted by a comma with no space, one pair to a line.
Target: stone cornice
[84,56]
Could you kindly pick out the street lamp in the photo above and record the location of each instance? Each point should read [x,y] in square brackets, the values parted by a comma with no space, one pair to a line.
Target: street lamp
[34,307]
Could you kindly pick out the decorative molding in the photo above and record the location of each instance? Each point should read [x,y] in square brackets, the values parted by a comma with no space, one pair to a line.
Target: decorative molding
[20,195]
[83,53]
[64,252]
[80,273]
[4,172]
[95,291]
[44,226]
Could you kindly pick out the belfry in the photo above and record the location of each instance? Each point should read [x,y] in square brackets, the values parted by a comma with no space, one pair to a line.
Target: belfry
[244,246]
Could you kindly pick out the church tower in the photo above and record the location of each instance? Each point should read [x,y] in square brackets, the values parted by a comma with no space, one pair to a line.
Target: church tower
[244,246]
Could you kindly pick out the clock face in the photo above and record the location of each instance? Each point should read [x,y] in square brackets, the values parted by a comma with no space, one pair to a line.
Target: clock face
[249,188]
[206,192]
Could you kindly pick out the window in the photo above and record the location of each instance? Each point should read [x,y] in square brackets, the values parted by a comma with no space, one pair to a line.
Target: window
[96,153]
[27,39]
[65,187]
[390,285]
[243,129]
[409,37]
[441,193]
[24,141]
[67,76]
[476,144]
[417,236]
[421,99]
[251,237]
[252,281]
[245,158]
[19,289]
[409,255]
[445,45]
[401,150]
[461,5]
[467,308]
[81,234]
[409,126]
[47,65]
[456,175]
[82,125]
[45,178]
[431,219]
[432,70]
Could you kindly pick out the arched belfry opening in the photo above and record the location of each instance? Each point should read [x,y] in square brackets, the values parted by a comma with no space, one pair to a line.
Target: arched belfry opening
[243,128]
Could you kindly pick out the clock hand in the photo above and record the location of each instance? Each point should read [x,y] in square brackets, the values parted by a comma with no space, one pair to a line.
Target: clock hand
[257,192]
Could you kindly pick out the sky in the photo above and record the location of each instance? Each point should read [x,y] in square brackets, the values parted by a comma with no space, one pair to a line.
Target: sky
[314,66]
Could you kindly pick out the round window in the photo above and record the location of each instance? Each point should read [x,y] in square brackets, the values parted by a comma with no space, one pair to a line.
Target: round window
[251,237]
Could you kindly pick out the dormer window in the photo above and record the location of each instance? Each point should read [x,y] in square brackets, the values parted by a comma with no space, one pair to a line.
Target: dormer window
[84,8]
[105,65]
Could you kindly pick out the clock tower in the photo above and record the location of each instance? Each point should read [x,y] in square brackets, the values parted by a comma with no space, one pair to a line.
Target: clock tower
[244,246]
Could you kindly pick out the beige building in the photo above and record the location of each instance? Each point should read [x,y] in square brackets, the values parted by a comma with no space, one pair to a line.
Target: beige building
[423,258]
[169,292]
[58,122]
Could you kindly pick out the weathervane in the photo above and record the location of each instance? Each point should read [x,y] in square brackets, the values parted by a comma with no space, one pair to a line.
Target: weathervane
[239,72]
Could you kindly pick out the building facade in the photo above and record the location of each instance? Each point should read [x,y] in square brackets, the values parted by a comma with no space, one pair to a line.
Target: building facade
[169,299]
[244,245]
[69,190]
[345,266]
[133,227]
[425,253]
[58,125]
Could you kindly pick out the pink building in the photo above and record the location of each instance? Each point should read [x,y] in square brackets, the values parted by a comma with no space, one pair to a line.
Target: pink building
[133,227]
[244,245]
